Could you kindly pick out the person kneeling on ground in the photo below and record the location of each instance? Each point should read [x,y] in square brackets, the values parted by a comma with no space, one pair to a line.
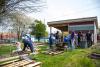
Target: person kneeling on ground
[18,47]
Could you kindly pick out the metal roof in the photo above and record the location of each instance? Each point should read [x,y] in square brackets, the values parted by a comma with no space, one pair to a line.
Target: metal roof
[75,20]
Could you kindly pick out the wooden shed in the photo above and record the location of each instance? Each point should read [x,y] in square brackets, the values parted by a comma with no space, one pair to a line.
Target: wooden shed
[80,24]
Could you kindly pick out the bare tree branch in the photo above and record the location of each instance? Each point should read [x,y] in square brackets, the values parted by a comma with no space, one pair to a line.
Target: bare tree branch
[9,6]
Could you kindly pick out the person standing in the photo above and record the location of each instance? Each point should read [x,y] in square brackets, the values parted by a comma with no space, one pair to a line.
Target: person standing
[92,37]
[73,40]
[76,40]
[67,39]
[79,39]
[84,41]
[57,38]
[51,42]
[89,39]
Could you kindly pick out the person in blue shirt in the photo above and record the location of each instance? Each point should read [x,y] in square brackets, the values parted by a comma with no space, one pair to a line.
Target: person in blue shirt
[27,42]
[51,41]
[67,39]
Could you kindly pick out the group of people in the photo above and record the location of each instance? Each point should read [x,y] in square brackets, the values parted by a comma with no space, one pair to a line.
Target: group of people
[54,40]
[72,40]
[80,39]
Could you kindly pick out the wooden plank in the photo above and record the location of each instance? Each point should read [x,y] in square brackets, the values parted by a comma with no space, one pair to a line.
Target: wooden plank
[24,63]
[18,63]
[55,53]
[37,64]
[10,58]
[8,62]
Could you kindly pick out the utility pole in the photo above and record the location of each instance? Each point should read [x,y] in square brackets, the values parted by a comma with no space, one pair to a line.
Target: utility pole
[44,34]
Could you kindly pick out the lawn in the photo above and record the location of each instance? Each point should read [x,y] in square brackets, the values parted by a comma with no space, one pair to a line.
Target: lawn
[6,50]
[75,58]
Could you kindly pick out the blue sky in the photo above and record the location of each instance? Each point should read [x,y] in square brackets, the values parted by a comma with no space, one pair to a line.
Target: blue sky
[68,9]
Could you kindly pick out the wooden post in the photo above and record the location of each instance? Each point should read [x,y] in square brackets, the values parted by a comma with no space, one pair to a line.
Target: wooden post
[63,36]
[50,29]
[68,28]
[95,34]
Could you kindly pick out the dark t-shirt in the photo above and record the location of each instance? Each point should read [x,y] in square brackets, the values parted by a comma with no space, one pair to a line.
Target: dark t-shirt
[88,35]
[79,37]
[57,36]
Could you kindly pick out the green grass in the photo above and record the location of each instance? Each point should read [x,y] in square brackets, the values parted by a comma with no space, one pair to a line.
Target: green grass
[4,50]
[75,58]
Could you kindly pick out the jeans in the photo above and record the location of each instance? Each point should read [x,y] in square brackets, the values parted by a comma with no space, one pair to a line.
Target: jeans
[69,44]
[72,44]
[89,43]
[29,44]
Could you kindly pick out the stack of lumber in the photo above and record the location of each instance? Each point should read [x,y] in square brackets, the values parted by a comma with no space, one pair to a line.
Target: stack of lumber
[17,62]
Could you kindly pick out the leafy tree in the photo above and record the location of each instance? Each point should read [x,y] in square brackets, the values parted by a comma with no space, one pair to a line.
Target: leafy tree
[32,27]
[39,29]
[46,34]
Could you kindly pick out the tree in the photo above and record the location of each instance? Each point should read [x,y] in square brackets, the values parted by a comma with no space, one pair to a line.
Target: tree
[46,34]
[32,27]
[9,6]
[39,29]
[20,23]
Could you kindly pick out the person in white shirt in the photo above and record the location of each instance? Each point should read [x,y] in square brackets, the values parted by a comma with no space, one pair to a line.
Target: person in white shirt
[18,47]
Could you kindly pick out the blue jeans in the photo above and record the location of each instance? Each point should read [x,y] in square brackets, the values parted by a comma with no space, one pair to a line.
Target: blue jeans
[69,44]
[72,44]
[29,44]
